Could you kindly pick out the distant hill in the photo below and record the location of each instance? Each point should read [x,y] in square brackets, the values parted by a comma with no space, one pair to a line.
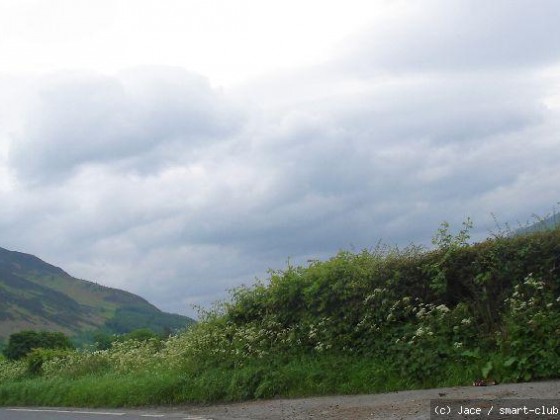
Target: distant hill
[39,296]
[541,224]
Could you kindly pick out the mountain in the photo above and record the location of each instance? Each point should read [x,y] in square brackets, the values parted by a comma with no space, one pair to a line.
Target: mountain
[542,224]
[39,296]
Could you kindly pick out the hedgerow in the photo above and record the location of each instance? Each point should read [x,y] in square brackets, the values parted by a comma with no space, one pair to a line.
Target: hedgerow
[375,320]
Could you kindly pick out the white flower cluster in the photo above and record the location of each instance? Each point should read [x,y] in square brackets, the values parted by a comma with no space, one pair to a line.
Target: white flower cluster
[11,370]
[122,357]
[466,321]
[426,310]
[532,282]
[382,310]
[530,295]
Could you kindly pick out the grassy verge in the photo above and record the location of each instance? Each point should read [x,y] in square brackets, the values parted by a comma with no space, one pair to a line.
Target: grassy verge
[305,376]
[109,390]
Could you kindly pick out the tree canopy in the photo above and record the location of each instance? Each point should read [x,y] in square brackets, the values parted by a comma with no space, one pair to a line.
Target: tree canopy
[22,343]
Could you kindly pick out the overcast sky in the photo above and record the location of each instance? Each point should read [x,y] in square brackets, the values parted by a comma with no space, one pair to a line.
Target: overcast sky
[180,148]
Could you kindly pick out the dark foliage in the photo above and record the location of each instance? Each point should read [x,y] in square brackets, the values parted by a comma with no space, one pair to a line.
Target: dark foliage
[22,343]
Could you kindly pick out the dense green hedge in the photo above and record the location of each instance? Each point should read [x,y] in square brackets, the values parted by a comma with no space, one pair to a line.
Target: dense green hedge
[368,302]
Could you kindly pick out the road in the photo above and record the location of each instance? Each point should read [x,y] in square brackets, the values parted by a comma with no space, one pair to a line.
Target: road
[409,405]
[92,414]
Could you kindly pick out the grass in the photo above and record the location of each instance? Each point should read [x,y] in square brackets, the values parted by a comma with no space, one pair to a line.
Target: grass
[109,390]
[306,376]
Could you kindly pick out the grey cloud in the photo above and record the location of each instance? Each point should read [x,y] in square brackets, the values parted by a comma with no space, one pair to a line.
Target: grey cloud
[459,36]
[357,167]
[80,118]
[319,179]
[179,202]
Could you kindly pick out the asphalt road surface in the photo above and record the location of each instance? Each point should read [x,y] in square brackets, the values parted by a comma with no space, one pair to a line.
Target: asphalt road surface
[409,405]
[91,414]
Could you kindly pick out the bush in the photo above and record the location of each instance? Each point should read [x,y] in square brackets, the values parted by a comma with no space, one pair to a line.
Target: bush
[22,343]
[37,357]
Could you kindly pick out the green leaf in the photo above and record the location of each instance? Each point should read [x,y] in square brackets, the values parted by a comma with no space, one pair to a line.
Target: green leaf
[510,361]
[471,353]
[487,368]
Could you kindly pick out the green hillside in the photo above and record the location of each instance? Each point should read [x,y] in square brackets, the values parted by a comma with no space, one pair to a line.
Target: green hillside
[39,296]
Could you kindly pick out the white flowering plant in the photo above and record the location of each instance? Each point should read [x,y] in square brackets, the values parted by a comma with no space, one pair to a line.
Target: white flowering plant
[531,334]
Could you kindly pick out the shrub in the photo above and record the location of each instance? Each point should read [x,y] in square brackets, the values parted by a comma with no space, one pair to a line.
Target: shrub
[22,343]
[37,357]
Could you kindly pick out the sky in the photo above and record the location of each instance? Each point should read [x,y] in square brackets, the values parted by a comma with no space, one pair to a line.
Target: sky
[178,149]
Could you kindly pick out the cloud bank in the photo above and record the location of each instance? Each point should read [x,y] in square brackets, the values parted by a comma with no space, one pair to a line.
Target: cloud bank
[153,181]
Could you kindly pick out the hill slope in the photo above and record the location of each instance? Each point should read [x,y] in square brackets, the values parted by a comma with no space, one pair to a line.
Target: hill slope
[542,224]
[37,295]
